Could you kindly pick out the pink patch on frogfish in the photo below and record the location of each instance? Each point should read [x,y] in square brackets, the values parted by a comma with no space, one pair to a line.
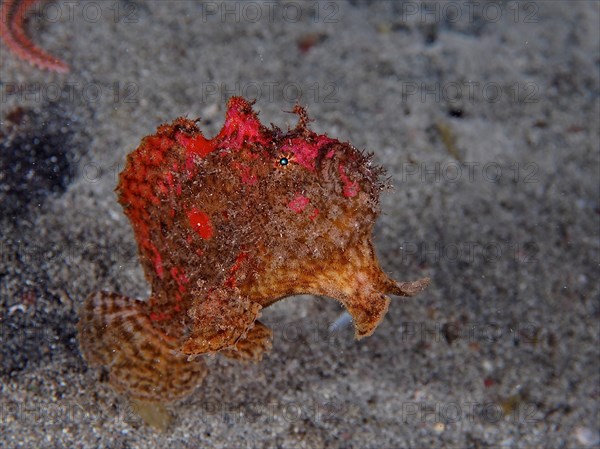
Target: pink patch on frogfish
[350,187]
[298,203]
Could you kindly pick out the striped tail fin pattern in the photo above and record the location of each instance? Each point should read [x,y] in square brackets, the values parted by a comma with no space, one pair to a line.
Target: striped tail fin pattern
[145,364]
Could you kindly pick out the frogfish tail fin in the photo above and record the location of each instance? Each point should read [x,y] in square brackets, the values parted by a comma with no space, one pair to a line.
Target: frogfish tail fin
[145,364]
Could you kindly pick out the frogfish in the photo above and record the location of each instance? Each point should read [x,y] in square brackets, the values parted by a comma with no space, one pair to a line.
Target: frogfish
[226,227]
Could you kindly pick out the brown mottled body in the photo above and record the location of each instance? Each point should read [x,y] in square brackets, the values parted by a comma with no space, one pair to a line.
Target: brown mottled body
[226,227]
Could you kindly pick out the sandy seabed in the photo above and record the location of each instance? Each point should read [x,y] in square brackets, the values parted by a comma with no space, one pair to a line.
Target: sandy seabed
[485,115]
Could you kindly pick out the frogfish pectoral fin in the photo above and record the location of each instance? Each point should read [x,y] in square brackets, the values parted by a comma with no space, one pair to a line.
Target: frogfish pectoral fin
[359,283]
[257,341]
[116,332]
[367,312]
[406,288]
[221,320]
[368,302]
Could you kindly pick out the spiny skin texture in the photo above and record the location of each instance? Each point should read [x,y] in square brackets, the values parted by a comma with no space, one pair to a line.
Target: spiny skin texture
[226,227]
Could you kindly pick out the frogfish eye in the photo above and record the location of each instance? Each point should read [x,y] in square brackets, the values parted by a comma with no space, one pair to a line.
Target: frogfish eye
[284,161]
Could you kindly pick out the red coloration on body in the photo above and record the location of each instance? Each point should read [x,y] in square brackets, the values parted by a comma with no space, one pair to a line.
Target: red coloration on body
[163,316]
[299,203]
[156,259]
[350,187]
[200,222]
[241,128]
[179,276]
[246,174]
[12,18]
[218,243]
[231,280]
[197,145]
[306,152]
